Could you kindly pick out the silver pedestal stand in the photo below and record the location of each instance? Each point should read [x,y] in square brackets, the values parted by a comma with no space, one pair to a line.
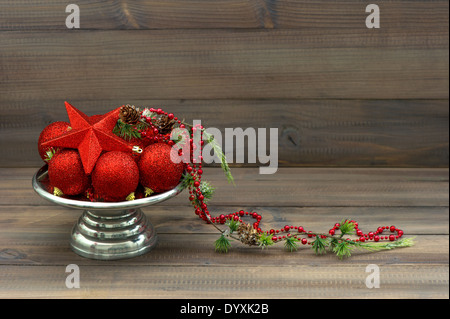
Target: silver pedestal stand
[107,230]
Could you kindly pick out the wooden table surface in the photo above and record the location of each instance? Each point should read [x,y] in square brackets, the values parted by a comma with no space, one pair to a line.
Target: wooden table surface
[34,239]
[340,94]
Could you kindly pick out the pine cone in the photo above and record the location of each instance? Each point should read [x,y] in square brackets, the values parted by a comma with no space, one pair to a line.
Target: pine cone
[164,124]
[129,114]
[247,234]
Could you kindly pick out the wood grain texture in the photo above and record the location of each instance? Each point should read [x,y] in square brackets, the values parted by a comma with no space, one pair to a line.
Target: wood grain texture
[184,240]
[34,241]
[299,187]
[205,14]
[397,281]
[342,96]
[223,64]
[370,133]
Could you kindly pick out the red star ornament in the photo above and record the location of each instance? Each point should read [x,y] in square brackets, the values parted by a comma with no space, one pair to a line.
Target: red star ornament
[90,136]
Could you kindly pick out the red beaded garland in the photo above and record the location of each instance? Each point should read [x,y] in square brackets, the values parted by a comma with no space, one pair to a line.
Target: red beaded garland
[194,168]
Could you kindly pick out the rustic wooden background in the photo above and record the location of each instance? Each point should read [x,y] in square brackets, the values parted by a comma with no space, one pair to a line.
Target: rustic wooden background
[339,93]
[362,116]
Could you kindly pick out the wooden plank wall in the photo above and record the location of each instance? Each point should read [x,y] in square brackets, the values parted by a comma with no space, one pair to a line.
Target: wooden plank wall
[340,94]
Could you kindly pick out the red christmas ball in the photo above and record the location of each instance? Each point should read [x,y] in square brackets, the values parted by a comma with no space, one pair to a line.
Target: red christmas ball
[51,131]
[115,176]
[66,172]
[157,170]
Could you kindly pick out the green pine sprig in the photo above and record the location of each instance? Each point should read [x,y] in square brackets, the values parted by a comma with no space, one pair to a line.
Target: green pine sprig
[222,245]
[265,240]
[50,153]
[233,225]
[346,227]
[127,131]
[342,249]
[320,245]
[220,154]
[291,244]
[206,189]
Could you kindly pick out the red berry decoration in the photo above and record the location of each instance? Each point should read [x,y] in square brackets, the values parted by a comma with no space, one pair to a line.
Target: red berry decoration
[66,172]
[157,170]
[51,131]
[115,176]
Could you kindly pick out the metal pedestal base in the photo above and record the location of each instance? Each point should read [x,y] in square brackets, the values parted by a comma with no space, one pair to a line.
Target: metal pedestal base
[110,235]
[108,230]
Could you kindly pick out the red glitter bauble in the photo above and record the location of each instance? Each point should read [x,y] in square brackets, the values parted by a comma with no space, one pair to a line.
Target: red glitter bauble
[115,176]
[66,172]
[51,131]
[157,170]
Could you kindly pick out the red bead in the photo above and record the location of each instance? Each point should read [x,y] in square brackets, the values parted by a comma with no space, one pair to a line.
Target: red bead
[304,241]
[309,234]
[371,235]
[300,229]
[274,238]
[272,231]
[196,184]
[392,228]
[241,213]
[376,238]
[170,116]
[400,233]
[286,228]
[380,230]
[391,237]
[362,239]
[337,225]
[331,232]
[359,232]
